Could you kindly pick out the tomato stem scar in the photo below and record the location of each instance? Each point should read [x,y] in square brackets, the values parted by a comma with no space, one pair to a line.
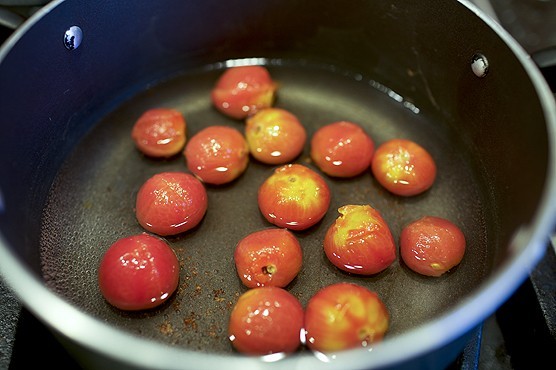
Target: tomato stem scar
[270,269]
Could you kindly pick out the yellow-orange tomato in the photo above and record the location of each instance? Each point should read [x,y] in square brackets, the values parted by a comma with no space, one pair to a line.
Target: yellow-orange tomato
[403,167]
[266,320]
[160,132]
[342,149]
[432,245]
[344,316]
[242,91]
[269,257]
[217,154]
[294,197]
[275,136]
[360,241]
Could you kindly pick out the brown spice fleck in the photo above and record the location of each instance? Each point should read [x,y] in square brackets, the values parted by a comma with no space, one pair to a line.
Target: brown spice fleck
[218,293]
[166,328]
[213,331]
[189,321]
[197,291]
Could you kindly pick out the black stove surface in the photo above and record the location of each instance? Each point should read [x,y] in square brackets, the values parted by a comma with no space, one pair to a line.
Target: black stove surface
[520,335]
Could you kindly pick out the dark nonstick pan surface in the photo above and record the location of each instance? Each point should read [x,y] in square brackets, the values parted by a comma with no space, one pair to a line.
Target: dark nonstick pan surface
[91,205]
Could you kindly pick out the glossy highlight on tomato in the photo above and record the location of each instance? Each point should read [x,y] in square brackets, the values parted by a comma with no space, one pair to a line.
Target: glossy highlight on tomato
[275,136]
[343,316]
[217,154]
[342,149]
[432,245]
[294,197]
[266,320]
[403,167]
[171,203]
[160,132]
[241,91]
[138,272]
[360,241]
[268,257]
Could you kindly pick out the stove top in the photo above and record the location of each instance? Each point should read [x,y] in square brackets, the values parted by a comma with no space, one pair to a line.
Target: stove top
[520,335]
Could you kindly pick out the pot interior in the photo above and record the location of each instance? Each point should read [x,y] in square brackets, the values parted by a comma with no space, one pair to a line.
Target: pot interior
[91,205]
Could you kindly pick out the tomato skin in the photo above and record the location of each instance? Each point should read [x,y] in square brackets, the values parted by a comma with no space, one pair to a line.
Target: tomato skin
[160,132]
[342,149]
[138,272]
[359,241]
[275,136]
[432,245]
[403,167]
[294,197]
[266,320]
[269,257]
[242,91]
[344,316]
[171,203]
[217,154]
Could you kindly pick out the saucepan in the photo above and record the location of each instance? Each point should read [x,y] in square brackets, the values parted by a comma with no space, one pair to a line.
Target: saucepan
[78,74]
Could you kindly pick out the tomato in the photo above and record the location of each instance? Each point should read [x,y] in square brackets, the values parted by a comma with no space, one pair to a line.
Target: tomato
[342,149]
[403,167]
[217,154]
[344,316]
[138,272]
[275,136]
[159,132]
[242,91]
[266,320]
[360,241]
[170,203]
[432,245]
[294,197]
[270,257]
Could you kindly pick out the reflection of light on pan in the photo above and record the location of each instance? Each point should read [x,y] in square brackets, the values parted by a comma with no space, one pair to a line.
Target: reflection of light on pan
[273,357]
[245,62]
[394,95]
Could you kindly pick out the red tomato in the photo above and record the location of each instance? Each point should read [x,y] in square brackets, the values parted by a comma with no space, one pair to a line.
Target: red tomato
[360,241]
[242,91]
[217,154]
[432,245]
[275,136]
[270,257]
[170,203]
[342,149]
[159,132]
[294,197]
[403,167]
[138,272]
[343,316]
[266,320]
